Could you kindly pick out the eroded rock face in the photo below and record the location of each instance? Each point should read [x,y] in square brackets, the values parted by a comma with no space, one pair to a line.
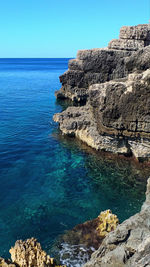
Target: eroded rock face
[114,83]
[102,64]
[91,66]
[129,244]
[116,117]
[29,253]
[6,263]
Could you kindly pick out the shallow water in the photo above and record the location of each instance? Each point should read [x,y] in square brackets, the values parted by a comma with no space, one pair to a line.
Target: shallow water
[49,183]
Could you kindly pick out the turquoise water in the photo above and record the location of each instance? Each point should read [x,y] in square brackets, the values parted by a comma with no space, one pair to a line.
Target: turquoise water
[49,183]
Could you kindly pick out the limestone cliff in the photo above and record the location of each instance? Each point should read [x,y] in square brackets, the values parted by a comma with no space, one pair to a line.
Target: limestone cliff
[102,64]
[115,84]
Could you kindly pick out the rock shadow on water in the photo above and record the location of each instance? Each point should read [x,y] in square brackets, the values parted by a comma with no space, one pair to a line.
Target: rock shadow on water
[116,182]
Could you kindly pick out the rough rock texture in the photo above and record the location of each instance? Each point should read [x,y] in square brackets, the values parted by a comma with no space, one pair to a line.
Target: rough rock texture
[28,253]
[91,66]
[6,263]
[129,244]
[101,65]
[75,246]
[91,233]
[116,117]
[139,32]
[132,38]
[80,122]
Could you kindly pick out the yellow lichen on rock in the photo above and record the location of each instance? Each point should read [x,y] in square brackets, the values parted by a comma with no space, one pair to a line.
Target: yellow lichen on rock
[107,222]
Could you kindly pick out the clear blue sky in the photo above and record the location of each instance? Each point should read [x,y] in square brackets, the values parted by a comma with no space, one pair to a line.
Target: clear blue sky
[58,28]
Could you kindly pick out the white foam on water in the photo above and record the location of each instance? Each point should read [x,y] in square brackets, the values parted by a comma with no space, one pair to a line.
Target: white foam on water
[74,255]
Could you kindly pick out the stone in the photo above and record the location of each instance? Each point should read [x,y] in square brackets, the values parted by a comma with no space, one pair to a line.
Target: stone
[6,263]
[99,65]
[139,32]
[107,222]
[29,253]
[91,66]
[125,44]
[116,117]
[129,244]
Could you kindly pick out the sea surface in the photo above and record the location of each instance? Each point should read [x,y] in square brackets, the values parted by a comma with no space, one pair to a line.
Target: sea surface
[48,182]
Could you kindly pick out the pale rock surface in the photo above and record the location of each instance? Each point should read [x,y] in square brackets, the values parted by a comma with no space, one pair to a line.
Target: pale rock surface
[29,253]
[129,244]
[116,117]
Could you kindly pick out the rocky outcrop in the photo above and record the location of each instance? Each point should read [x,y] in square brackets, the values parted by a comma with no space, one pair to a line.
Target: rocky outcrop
[91,233]
[75,246]
[129,244]
[116,117]
[28,253]
[132,38]
[101,65]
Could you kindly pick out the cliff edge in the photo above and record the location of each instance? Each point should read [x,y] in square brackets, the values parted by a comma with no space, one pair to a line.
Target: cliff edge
[114,85]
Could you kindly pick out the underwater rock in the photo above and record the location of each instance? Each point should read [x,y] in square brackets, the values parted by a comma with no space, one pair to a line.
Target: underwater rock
[77,245]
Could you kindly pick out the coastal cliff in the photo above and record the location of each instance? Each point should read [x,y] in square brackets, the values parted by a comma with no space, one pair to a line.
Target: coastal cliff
[114,85]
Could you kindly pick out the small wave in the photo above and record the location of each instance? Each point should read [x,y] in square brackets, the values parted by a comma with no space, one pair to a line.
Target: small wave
[74,255]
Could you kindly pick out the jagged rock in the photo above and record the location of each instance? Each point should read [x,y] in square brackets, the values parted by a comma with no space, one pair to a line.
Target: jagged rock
[139,32]
[79,122]
[29,253]
[91,66]
[116,118]
[123,44]
[91,233]
[138,61]
[132,38]
[102,64]
[6,263]
[107,222]
[129,244]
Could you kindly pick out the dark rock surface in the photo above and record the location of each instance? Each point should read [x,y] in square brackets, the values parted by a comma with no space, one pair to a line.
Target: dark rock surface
[129,244]
[102,64]
[91,66]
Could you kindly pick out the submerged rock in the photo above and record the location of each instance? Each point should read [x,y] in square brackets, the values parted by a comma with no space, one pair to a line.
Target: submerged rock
[76,246]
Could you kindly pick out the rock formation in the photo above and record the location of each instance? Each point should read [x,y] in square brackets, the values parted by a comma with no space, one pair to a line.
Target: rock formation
[91,233]
[102,64]
[115,84]
[129,244]
[28,253]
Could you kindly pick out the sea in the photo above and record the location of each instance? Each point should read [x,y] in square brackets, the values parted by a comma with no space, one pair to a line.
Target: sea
[48,182]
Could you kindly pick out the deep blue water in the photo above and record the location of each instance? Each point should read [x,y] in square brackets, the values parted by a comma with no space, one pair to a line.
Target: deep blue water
[49,183]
